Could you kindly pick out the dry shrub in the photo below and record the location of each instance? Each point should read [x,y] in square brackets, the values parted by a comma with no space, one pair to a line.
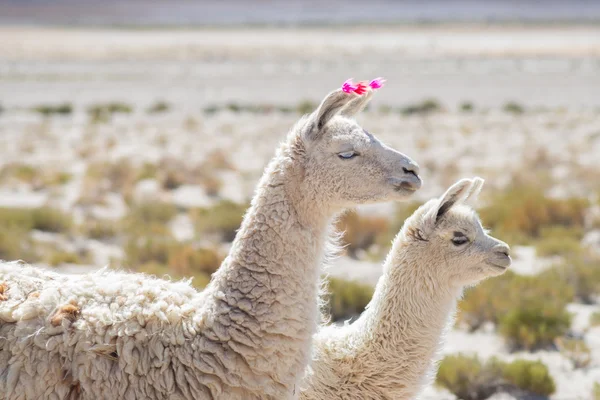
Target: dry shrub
[575,350]
[581,271]
[346,299]
[187,260]
[360,232]
[223,219]
[100,229]
[59,257]
[470,379]
[521,213]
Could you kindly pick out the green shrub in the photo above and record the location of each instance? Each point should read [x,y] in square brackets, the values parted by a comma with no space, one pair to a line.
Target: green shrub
[530,376]
[152,212]
[57,258]
[466,106]
[306,107]
[346,299]
[223,219]
[595,319]
[49,219]
[582,271]
[140,250]
[470,379]
[44,219]
[100,229]
[467,377]
[557,246]
[58,109]
[103,112]
[513,108]
[158,107]
[529,310]
[522,213]
[15,244]
[425,107]
[535,326]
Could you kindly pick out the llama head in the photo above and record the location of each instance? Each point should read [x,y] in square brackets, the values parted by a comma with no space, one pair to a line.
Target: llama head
[447,234]
[343,164]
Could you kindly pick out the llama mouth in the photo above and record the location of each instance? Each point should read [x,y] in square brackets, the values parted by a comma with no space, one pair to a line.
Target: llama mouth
[498,267]
[404,190]
[405,187]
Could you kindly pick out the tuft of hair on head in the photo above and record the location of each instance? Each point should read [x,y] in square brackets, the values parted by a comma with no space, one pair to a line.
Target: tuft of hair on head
[349,100]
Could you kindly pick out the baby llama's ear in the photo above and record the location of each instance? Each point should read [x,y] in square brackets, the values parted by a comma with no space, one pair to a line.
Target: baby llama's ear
[331,105]
[454,195]
[475,189]
[358,104]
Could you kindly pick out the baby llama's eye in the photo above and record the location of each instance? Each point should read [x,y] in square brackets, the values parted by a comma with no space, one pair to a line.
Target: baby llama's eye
[346,155]
[459,240]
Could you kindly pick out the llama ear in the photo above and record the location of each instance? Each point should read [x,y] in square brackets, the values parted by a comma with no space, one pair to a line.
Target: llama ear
[454,195]
[331,105]
[475,189]
[358,104]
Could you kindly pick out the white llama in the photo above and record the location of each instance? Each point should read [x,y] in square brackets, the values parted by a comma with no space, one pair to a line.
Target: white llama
[248,335]
[391,350]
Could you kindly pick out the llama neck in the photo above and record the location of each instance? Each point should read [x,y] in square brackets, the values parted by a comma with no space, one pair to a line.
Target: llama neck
[406,319]
[264,296]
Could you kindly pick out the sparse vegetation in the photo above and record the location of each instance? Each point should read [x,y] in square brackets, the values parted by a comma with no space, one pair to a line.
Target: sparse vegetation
[59,257]
[104,112]
[581,271]
[530,376]
[100,229]
[306,107]
[360,232]
[529,310]
[470,379]
[595,319]
[467,106]
[575,350]
[54,109]
[158,108]
[44,219]
[223,219]
[521,213]
[513,108]
[347,299]
[425,107]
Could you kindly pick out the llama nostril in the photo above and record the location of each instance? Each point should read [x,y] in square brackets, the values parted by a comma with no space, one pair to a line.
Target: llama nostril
[409,171]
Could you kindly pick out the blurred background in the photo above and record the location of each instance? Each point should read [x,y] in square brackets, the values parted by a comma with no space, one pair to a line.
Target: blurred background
[133,132]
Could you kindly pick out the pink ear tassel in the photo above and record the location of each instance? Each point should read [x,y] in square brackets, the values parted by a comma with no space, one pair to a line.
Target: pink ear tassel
[348,86]
[360,88]
[377,83]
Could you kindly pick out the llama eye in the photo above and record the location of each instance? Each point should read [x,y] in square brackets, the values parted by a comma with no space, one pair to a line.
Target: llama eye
[347,155]
[459,240]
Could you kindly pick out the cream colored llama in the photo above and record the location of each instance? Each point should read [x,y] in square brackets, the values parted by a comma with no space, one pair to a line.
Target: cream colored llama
[114,335]
[390,351]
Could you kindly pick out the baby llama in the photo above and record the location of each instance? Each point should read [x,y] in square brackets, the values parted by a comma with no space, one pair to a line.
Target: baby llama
[391,350]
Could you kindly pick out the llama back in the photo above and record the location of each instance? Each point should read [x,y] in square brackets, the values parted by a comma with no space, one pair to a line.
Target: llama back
[59,331]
